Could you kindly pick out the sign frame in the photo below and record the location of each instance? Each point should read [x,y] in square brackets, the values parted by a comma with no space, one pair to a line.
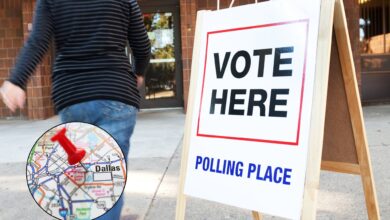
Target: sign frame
[332,20]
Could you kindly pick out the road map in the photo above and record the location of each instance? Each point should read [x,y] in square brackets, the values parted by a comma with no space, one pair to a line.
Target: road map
[76,192]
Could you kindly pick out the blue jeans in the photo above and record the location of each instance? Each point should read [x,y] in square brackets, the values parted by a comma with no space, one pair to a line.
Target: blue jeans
[117,118]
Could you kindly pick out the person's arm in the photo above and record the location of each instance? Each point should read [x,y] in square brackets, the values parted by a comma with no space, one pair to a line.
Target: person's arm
[12,91]
[35,47]
[138,39]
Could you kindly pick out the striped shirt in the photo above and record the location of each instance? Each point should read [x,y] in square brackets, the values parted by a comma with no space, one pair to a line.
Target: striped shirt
[90,60]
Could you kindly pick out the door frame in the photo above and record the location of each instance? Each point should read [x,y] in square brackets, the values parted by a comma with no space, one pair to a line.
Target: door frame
[173,6]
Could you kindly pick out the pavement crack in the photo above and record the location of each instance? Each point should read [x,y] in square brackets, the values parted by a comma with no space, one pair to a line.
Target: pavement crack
[163,177]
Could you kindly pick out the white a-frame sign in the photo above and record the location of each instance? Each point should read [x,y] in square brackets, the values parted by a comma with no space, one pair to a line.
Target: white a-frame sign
[266,110]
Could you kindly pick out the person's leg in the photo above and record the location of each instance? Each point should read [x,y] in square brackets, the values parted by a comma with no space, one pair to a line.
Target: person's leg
[119,121]
[116,118]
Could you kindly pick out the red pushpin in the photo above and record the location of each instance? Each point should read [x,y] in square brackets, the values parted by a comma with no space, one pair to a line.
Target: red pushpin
[75,155]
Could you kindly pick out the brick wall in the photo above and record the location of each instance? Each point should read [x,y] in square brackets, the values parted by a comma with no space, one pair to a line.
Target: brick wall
[15,15]
[188,17]
[11,39]
[188,9]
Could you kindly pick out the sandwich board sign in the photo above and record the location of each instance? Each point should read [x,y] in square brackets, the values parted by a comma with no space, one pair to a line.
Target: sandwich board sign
[255,122]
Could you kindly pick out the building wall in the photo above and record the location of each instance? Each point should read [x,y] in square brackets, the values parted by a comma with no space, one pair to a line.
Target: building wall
[188,9]
[15,17]
[11,39]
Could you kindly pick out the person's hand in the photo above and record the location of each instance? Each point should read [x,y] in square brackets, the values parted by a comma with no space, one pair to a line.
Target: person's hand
[13,96]
[140,81]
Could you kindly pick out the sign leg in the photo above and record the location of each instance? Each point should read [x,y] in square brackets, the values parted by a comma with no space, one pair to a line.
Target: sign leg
[180,207]
[181,198]
[317,123]
[355,109]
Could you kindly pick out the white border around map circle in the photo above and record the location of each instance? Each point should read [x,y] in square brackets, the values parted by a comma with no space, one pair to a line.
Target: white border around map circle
[72,191]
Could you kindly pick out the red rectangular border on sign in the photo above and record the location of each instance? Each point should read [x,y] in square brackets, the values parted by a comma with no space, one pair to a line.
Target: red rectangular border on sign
[293,143]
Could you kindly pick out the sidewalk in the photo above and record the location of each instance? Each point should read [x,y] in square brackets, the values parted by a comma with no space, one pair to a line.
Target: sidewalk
[154,166]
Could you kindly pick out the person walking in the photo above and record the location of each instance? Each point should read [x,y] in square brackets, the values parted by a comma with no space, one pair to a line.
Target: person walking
[92,78]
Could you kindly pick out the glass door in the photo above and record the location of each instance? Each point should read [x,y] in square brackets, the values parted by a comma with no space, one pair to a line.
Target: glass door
[163,77]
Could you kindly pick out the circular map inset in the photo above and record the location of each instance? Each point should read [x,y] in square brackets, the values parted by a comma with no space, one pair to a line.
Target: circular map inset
[80,191]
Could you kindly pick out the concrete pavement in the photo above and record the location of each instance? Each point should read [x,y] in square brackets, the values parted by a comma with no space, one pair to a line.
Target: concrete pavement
[154,166]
